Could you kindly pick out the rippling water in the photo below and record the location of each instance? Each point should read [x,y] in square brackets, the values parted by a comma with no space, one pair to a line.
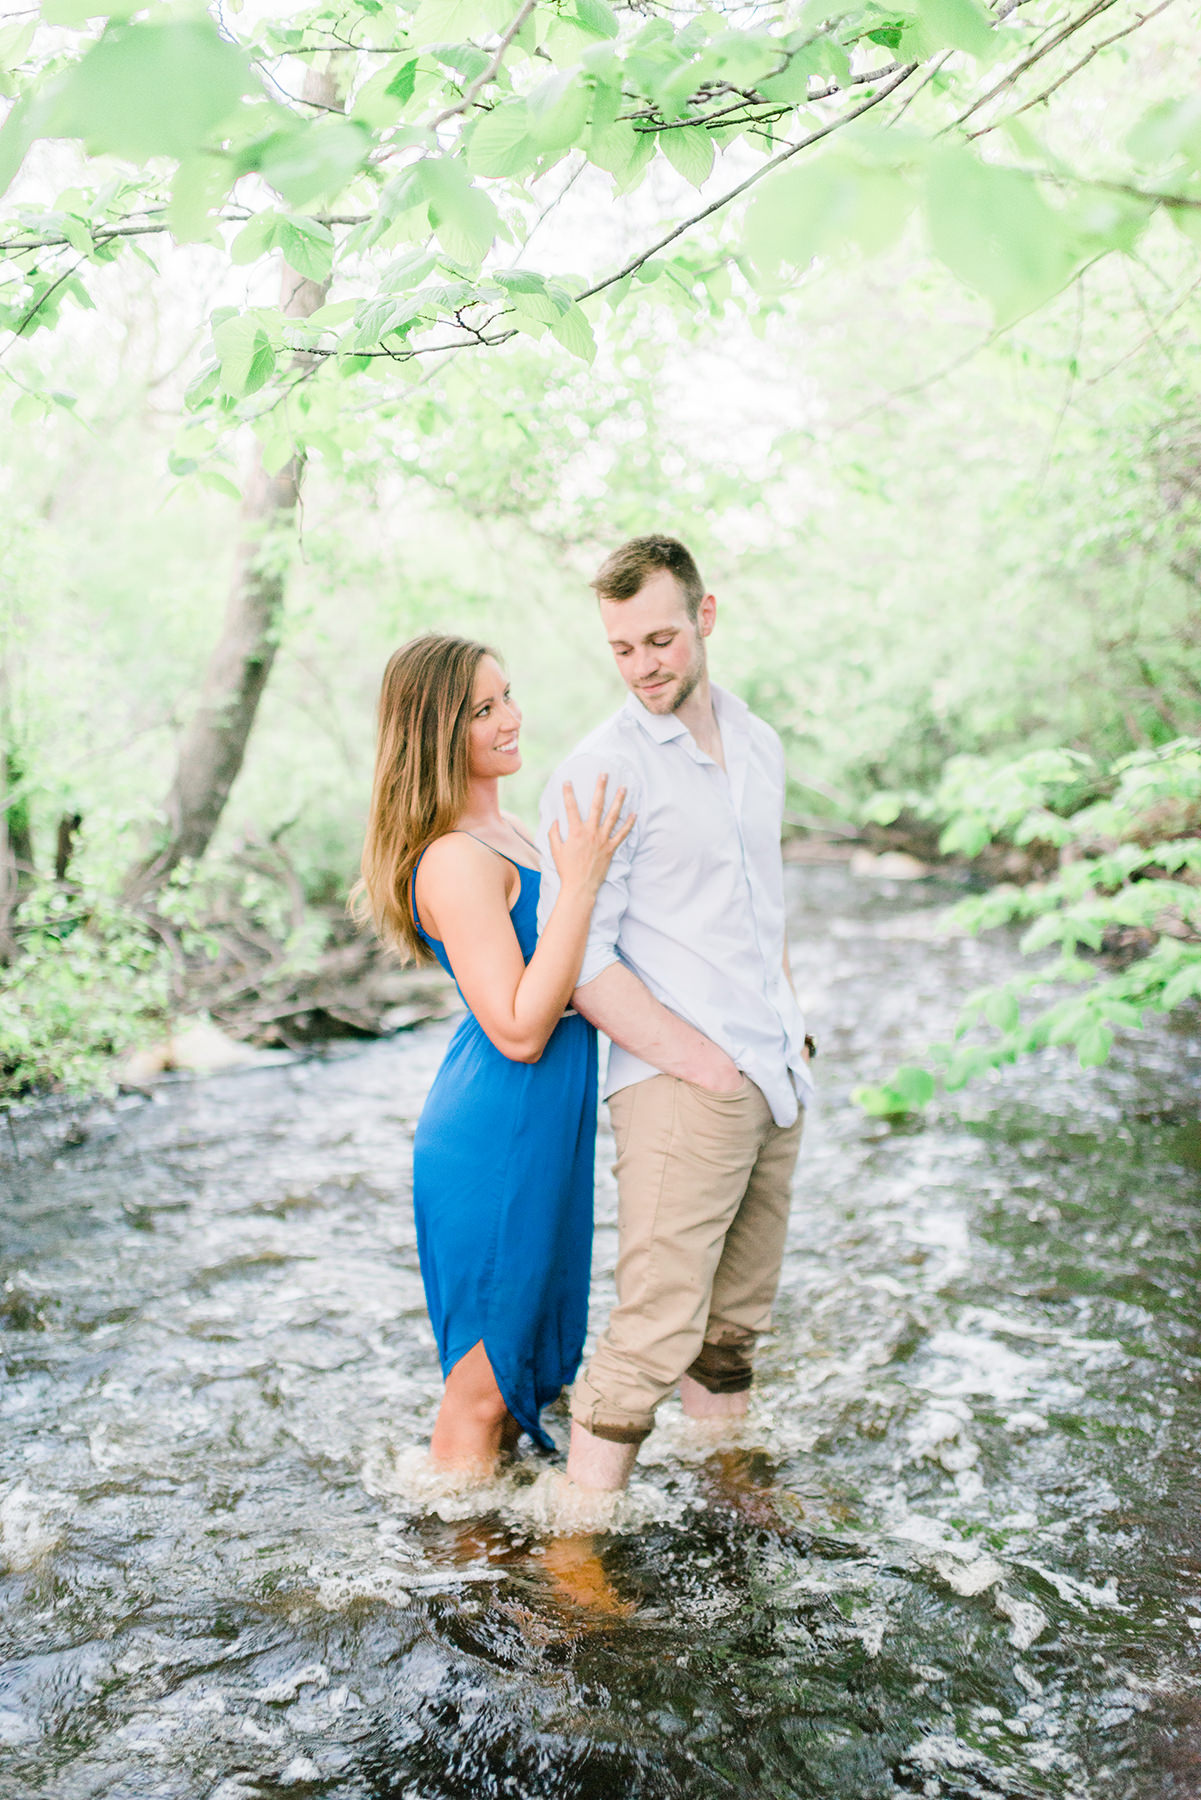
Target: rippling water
[954,1553]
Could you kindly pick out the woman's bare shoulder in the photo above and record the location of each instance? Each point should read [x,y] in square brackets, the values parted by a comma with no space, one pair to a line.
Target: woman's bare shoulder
[452,854]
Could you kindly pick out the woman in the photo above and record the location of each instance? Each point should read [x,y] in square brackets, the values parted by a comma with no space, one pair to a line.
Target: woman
[503,1156]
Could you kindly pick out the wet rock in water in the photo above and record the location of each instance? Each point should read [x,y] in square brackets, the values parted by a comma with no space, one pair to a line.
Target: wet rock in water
[889,865]
[199,1048]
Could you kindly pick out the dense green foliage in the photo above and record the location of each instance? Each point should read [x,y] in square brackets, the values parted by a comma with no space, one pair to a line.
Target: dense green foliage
[411,178]
[931,538]
[89,984]
[1127,882]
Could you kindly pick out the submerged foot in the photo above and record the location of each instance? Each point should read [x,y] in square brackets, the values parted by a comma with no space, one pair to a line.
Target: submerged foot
[575,1567]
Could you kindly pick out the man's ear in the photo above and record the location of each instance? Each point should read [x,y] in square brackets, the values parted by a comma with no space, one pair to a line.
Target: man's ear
[707,615]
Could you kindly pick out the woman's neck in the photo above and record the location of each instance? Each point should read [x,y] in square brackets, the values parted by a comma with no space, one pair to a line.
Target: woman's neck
[483,804]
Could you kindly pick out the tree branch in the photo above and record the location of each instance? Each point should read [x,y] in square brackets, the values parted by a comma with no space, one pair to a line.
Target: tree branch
[481,81]
[768,168]
[925,81]
[18,330]
[1059,37]
[102,235]
[1075,69]
[775,109]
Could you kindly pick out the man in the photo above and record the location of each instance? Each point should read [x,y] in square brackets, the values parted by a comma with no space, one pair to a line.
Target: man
[686,972]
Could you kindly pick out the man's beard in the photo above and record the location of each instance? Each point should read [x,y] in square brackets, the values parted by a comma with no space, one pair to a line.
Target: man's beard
[689,681]
[687,684]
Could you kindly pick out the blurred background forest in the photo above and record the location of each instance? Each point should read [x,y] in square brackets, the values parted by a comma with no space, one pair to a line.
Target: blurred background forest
[933,538]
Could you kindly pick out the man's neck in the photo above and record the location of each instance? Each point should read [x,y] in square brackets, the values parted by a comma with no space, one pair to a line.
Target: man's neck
[698,714]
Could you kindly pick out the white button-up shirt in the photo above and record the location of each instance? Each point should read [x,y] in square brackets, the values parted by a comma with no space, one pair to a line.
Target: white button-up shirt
[693,903]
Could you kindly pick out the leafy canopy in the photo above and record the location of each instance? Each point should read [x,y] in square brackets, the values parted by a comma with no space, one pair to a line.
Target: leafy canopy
[405,152]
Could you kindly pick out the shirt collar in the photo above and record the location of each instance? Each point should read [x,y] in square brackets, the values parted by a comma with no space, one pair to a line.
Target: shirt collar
[660,726]
[730,710]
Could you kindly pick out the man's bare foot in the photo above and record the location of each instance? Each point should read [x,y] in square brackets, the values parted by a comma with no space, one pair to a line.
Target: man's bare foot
[577,1571]
[597,1463]
[699,1403]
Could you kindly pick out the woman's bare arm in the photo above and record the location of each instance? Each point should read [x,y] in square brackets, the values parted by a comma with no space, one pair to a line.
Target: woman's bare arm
[463,892]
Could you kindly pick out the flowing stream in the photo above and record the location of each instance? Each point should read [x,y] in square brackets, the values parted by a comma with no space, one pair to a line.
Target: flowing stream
[955,1552]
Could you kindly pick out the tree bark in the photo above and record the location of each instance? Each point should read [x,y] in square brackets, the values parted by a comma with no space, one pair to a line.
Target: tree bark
[16,835]
[10,864]
[213,745]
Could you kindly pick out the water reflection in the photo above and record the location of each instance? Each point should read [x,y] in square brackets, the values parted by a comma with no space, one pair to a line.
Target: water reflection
[953,1553]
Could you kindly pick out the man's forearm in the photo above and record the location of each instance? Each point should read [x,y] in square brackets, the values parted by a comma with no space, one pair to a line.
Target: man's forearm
[618,1004]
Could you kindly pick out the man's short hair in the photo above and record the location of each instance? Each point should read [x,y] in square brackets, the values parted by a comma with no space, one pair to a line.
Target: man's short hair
[623,572]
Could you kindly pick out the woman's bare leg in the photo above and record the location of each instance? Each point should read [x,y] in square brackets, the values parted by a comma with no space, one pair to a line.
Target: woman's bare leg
[473,1420]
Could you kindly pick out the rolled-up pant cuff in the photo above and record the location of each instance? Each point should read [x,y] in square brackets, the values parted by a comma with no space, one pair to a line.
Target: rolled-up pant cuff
[724,1368]
[616,1432]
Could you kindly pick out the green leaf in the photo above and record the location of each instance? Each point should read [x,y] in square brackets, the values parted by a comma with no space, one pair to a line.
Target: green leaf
[463,216]
[907,1091]
[314,161]
[915,1086]
[645,146]
[791,83]
[558,111]
[1169,129]
[245,354]
[202,388]
[1184,985]
[28,409]
[220,484]
[959,23]
[798,212]
[78,12]
[614,147]
[403,81]
[276,443]
[77,235]
[381,101]
[308,247]
[529,295]
[575,333]
[201,184]
[153,89]
[596,17]
[993,230]
[690,150]
[334,312]
[1001,1011]
[501,143]
[256,237]
[1093,1045]
[16,135]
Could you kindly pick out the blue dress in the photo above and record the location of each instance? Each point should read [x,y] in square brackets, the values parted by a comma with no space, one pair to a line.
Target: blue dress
[502,1190]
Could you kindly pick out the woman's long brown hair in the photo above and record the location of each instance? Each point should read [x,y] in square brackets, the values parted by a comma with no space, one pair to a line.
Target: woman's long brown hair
[421,776]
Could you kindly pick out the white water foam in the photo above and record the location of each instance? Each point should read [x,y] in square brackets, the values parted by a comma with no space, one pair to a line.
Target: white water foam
[28,1533]
[548,1505]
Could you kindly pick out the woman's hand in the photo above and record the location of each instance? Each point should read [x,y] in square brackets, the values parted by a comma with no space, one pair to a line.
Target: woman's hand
[583,856]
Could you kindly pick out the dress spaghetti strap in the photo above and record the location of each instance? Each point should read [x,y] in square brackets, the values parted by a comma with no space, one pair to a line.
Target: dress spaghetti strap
[457,831]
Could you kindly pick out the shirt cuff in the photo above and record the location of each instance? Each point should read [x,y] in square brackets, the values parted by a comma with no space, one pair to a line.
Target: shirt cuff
[595,962]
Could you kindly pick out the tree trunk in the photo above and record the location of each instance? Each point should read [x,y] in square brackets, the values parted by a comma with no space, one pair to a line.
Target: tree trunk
[16,835]
[10,865]
[213,745]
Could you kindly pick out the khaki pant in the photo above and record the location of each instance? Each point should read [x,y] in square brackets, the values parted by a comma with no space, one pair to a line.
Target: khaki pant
[703,1191]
